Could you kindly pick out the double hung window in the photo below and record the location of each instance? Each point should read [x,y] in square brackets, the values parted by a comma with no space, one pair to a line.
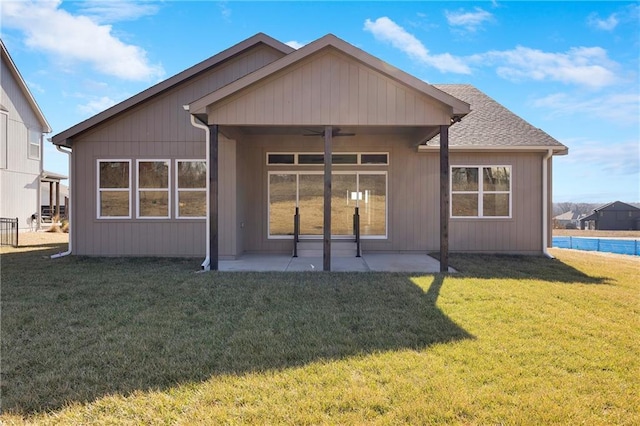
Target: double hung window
[114,189]
[153,189]
[481,191]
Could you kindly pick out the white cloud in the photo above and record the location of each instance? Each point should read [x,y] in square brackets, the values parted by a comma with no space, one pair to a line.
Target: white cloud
[607,24]
[604,158]
[469,21]
[35,87]
[620,108]
[384,29]
[77,38]
[295,44]
[225,11]
[585,66]
[96,105]
[116,10]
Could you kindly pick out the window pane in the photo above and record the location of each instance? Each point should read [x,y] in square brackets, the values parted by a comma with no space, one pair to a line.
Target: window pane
[373,204]
[114,174]
[192,203]
[464,179]
[344,158]
[153,174]
[114,203]
[282,204]
[342,206]
[373,159]
[310,158]
[496,178]
[311,204]
[154,203]
[280,159]
[495,204]
[34,143]
[464,204]
[192,174]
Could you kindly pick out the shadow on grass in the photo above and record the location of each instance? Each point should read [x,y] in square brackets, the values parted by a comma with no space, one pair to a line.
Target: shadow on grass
[505,266]
[77,329]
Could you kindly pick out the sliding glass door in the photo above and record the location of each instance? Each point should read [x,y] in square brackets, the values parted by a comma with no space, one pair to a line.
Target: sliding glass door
[366,190]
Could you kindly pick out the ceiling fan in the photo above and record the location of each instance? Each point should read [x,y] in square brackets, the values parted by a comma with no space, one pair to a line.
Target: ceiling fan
[335,132]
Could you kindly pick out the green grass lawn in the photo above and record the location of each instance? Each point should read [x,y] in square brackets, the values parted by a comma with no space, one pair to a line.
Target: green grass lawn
[508,340]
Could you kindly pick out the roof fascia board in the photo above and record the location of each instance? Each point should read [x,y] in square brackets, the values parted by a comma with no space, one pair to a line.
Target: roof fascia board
[458,107]
[557,150]
[64,138]
[25,89]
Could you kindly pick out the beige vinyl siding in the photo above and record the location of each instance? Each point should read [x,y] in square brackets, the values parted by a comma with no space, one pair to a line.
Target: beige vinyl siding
[329,88]
[158,129]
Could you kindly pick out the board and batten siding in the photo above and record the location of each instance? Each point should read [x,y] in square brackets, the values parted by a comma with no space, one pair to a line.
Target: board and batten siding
[19,174]
[328,88]
[522,233]
[159,128]
[413,197]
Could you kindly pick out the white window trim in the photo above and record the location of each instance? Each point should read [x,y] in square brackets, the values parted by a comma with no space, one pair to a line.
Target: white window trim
[480,192]
[30,144]
[296,156]
[297,173]
[100,190]
[139,190]
[178,190]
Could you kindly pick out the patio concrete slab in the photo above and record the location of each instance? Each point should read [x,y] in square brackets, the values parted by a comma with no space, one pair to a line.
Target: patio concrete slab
[400,262]
[338,264]
[388,262]
[256,262]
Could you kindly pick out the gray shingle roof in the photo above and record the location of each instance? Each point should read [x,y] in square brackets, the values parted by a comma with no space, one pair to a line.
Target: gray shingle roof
[490,124]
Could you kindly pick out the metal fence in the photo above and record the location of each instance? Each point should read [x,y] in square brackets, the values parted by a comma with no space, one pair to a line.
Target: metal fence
[609,245]
[8,232]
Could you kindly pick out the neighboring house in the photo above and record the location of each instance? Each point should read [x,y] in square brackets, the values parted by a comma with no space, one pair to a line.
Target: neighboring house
[616,216]
[270,118]
[570,218]
[21,129]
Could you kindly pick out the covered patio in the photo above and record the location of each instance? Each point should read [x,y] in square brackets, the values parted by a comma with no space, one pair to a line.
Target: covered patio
[374,262]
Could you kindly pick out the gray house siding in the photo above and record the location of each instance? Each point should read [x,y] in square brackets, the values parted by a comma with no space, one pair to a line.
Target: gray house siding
[157,129]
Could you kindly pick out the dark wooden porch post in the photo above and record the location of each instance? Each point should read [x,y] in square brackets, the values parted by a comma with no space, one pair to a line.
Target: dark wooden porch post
[444,198]
[212,162]
[326,252]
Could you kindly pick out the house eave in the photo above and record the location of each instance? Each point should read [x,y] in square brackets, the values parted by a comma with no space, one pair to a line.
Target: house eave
[557,150]
[63,138]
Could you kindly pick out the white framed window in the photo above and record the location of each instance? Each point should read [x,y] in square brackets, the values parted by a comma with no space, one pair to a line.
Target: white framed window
[114,189]
[153,189]
[35,142]
[337,158]
[481,191]
[191,189]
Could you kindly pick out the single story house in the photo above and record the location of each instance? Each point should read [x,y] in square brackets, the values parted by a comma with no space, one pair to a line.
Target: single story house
[263,147]
[570,218]
[615,216]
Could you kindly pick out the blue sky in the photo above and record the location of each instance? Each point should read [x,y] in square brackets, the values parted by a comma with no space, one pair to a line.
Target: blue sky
[570,68]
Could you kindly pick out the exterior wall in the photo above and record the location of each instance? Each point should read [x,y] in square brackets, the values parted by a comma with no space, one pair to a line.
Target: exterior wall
[413,197]
[520,234]
[329,88]
[157,129]
[19,180]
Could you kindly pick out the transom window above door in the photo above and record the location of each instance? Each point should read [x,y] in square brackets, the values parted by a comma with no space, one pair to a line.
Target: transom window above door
[317,158]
